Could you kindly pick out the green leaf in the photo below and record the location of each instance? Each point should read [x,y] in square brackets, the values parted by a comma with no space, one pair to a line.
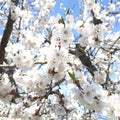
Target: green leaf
[72,76]
[68,12]
[11,40]
[61,20]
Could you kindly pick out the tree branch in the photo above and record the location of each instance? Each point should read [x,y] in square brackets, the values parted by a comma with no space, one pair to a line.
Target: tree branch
[6,36]
[7,66]
[80,53]
[95,20]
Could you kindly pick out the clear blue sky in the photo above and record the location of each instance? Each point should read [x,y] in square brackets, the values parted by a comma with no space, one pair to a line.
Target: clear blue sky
[69,4]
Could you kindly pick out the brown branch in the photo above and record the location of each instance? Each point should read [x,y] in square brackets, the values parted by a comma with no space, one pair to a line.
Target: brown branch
[42,63]
[13,66]
[58,83]
[95,20]
[80,53]
[7,66]
[6,36]
[114,42]
[115,13]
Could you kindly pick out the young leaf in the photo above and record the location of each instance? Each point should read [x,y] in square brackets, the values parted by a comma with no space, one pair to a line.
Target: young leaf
[11,40]
[68,12]
[61,21]
[72,76]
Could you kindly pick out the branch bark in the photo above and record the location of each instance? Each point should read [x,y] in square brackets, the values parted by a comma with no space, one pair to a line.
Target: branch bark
[80,53]
[6,36]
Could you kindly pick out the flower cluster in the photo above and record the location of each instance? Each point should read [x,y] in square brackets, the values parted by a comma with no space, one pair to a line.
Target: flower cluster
[61,66]
[7,91]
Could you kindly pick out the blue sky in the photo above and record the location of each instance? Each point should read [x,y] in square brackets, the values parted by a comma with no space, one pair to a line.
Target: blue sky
[1,29]
[69,4]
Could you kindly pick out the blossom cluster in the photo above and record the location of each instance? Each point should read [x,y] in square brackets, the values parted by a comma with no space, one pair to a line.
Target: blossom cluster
[50,78]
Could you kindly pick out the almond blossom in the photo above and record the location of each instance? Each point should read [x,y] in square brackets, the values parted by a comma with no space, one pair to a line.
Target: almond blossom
[56,66]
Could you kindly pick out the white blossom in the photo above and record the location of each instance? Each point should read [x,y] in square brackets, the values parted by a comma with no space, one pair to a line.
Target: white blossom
[42,77]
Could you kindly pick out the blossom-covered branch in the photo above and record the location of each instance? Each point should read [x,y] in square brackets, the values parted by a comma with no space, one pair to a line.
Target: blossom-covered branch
[7,33]
[59,66]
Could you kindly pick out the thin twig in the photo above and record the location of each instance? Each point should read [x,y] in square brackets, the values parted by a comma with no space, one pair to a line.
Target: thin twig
[7,66]
[42,63]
